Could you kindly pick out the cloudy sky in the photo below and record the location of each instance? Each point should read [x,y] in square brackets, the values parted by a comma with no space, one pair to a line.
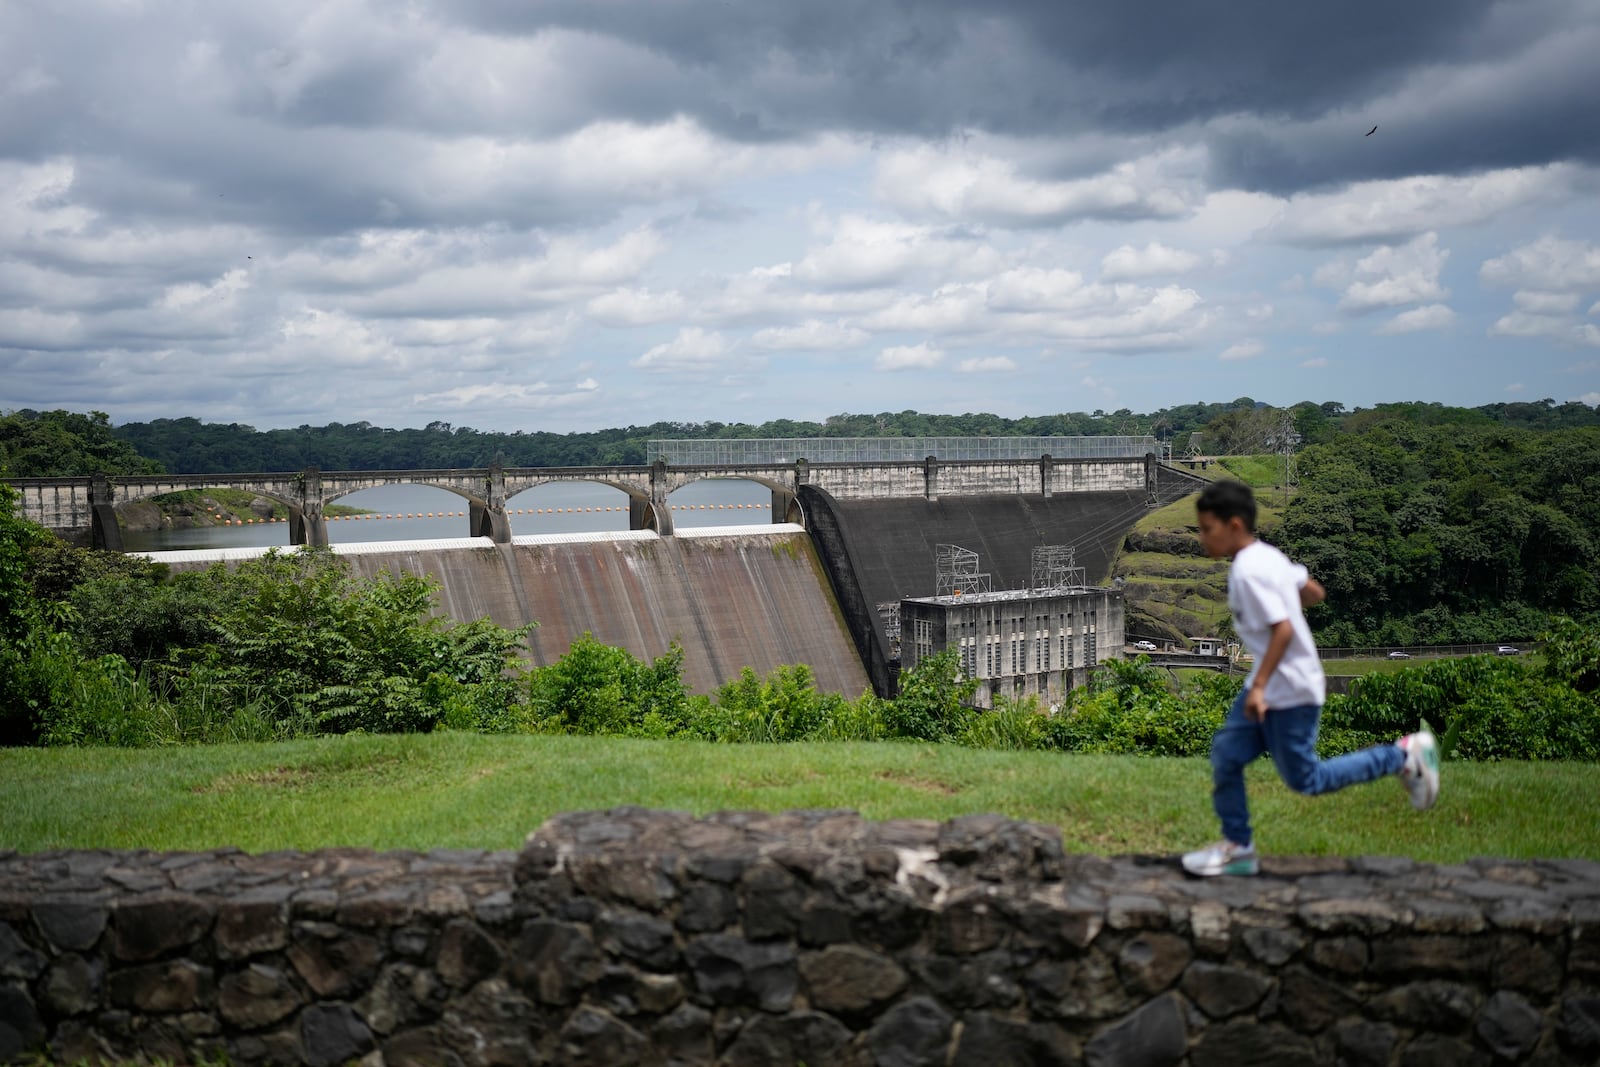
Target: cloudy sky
[571,214]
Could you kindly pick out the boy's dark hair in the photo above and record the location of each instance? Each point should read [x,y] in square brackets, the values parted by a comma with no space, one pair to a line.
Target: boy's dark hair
[1227,499]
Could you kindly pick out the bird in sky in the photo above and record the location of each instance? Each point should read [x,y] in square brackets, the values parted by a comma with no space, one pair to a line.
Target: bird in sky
[1372,131]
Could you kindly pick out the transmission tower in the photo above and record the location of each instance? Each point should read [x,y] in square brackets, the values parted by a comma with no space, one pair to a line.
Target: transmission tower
[1055,569]
[956,572]
[1287,439]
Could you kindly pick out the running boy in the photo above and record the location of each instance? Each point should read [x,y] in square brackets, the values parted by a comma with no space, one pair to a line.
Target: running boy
[1281,704]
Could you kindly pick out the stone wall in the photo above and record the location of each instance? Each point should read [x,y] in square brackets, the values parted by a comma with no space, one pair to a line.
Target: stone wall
[639,937]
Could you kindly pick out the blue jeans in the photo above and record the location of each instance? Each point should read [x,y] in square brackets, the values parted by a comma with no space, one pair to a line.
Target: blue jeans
[1290,734]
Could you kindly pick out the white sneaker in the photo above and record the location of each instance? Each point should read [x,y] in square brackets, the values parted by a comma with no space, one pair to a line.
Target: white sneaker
[1224,857]
[1420,775]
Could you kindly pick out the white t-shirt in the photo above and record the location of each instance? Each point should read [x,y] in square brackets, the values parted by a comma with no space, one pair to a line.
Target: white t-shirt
[1264,589]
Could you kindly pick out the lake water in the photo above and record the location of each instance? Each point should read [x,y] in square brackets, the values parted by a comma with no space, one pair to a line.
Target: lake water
[419,513]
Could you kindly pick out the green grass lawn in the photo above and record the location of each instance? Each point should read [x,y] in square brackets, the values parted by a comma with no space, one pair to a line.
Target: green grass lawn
[473,791]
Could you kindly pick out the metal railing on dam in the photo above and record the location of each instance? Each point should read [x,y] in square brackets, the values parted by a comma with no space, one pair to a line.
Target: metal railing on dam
[85,507]
[768,450]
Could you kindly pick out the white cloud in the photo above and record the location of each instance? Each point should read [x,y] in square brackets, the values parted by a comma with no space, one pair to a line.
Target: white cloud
[813,335]
[635,307]
[1427,317]
[1248,349]
[1594,309]
[1395,276]
[1515,387]
[1560,329]
[507,395]
[1395,209]
[1327,328]
[1550,263]
[986,365]
[960,184]
[1535,302]
[862,253]
[1152,260]
[693,350]
[909,357]
[1592,399]
[1314,363]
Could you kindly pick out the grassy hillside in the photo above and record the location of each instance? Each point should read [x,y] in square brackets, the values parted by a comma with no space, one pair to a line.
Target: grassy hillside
[1173,591]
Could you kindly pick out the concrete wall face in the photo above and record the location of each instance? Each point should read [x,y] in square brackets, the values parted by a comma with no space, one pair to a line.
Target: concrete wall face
[655,939]
[749,600]
[1039,646]
[879,551]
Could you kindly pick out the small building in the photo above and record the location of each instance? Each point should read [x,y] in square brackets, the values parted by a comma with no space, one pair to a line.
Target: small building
[1210,646]
[1020,642]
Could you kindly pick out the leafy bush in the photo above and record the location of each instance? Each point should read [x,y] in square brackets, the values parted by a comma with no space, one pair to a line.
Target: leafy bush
[1129,708]
[598,689]
[932,701]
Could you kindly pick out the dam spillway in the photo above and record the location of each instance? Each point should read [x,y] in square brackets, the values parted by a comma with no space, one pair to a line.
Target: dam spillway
[731,596]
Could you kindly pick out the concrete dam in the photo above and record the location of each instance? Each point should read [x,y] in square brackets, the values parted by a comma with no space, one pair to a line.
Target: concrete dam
[757,596]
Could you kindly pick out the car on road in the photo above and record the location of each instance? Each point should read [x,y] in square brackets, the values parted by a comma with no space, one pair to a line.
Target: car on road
[1145,646]
[1508,650]
[1397,654]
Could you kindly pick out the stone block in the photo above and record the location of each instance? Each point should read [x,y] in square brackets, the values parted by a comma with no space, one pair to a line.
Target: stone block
[21,1029]
[555,961]
[1151,962]
[1222,991]
[684,1036]
[1153,1036]
[17,958]
[968,924]
[72,985]
[70,925]
[257,996]
[731,970]
[707,908]
[1076,989]
[772,900]
[1509,1025]
[1365,1044]
[1440,1050]
[969,982]
[1243,1043]
[466,954]
[1526,965]
[1448,957]
[849,980]
[1579,1027]
[1272,945]
[145,927]
[1310,1003]
[250,925]
[335,966]
[1346,956]
[1434,1005]
[1351,915]
[594,1038]
[176,985]
[781,1040]
[333,1034]
[989,1040]
[419,1048]
[913,1033]
[642,939]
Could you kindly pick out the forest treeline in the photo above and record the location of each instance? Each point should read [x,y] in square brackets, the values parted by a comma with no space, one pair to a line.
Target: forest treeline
[60,444]
[1428,524]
